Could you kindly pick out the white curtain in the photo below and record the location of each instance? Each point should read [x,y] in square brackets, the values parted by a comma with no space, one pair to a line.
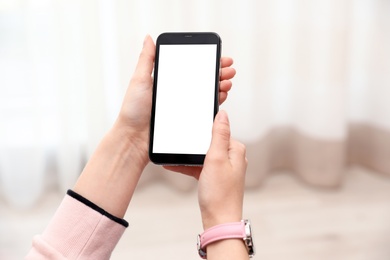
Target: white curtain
[311,94]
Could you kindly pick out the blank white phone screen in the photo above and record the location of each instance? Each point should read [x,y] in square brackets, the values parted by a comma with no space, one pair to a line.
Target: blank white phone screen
[185,98]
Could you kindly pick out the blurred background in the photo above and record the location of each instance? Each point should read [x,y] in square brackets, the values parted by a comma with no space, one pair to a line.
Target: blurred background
[311,100]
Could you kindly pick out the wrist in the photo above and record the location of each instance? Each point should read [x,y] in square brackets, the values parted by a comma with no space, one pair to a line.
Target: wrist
[132,140]
[211,218]
[135,145]
[209,222]
[111,175]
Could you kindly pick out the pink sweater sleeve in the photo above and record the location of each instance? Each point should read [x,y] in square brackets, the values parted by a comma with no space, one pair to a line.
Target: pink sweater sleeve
[78,230]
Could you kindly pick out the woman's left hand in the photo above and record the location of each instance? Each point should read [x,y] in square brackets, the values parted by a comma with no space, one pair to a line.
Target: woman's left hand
[134,115]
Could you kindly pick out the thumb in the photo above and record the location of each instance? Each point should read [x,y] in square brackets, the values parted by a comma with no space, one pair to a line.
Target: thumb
[221,133]
[146,58]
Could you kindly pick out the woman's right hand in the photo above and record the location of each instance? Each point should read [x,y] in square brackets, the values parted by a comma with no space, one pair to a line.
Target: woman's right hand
[221,182]
[221,187]
[222,178]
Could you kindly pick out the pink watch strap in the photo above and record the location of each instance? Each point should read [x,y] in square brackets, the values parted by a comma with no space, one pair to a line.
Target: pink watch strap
[222,231]
[240,230]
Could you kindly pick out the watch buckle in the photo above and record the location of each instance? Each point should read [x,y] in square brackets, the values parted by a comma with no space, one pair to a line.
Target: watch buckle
[248,238]
[201,252]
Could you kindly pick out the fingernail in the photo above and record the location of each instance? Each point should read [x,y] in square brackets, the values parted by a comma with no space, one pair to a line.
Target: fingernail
[146,37]
[222,117]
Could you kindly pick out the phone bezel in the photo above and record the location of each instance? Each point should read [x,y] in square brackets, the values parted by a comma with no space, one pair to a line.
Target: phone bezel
[182,38]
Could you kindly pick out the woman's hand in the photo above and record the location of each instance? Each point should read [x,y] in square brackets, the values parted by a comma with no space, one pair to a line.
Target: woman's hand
[222,178]
[221,187]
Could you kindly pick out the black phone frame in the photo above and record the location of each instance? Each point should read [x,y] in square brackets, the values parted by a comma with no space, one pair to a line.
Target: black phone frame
[182,38]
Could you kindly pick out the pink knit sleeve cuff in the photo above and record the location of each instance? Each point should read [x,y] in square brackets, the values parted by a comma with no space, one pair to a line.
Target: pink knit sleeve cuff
[79,230]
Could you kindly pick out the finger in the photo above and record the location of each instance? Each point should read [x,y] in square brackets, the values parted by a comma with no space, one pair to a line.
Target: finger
[146,59]
[237,153]
[222,97]
[226,62]
[227,73]
[237,149]
[186,170]
[225,85]
[220,135]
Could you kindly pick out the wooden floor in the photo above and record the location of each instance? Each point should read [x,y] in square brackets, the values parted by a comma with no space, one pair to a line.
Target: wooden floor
[291,221]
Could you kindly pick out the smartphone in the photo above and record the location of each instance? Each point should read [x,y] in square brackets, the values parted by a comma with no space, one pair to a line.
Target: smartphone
[185,97]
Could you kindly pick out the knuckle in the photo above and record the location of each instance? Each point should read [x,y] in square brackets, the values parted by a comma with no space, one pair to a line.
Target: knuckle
[215,157]
[140,78]
[223,130]
[241,148]
[145,55]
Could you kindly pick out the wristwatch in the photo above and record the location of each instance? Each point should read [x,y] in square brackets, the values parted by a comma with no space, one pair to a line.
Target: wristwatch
[241,230]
